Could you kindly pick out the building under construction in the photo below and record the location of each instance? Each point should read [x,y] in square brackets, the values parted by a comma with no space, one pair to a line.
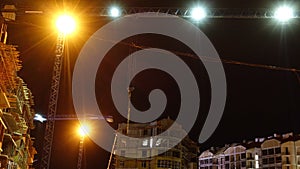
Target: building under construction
[149,152]
[16,113]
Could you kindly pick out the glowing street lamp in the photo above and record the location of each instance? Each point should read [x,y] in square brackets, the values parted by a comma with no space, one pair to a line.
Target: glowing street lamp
[284,13]
[198,13]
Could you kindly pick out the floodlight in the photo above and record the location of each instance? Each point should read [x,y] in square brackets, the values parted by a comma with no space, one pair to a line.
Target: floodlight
[65,24]
[198,13]
[114,12]
[284,13]
[83,130]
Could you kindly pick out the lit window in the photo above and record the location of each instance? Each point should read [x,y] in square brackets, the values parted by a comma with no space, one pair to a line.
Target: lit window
[145,142]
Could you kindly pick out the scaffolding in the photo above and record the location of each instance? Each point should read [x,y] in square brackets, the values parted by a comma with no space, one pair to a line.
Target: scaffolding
[16,112]
[9,66]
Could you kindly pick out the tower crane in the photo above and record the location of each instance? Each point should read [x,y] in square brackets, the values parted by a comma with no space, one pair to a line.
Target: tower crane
[65,25]
[54,90]
[223,13]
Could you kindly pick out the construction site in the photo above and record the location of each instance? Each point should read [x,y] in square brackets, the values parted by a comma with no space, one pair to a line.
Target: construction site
[154,149]
[16,109]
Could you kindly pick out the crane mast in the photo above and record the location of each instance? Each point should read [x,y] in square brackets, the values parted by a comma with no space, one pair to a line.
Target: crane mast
[80,153]
[53,101]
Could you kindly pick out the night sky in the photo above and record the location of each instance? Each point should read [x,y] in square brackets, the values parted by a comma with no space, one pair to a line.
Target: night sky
[260,101]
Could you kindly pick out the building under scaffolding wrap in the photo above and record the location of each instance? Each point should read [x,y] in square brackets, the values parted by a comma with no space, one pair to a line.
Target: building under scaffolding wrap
[16,113]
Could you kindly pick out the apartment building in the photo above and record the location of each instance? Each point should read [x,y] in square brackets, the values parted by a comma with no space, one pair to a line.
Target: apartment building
[150,150]
[274,152]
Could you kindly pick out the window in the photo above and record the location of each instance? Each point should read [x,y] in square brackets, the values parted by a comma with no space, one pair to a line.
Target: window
[144,153]
[238,166]
[145,143]
[122,152]
[277,150]
[264,152]
[278,159]
[270,151]
[144,164]
[231,158]
[265,161]
[226,158]
[244,164]
[244,155]
[271,160]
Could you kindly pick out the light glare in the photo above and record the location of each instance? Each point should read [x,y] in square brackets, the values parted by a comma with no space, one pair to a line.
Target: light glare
[198,13]
[65,24]
[284,13]
[83,130]
[114,12]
